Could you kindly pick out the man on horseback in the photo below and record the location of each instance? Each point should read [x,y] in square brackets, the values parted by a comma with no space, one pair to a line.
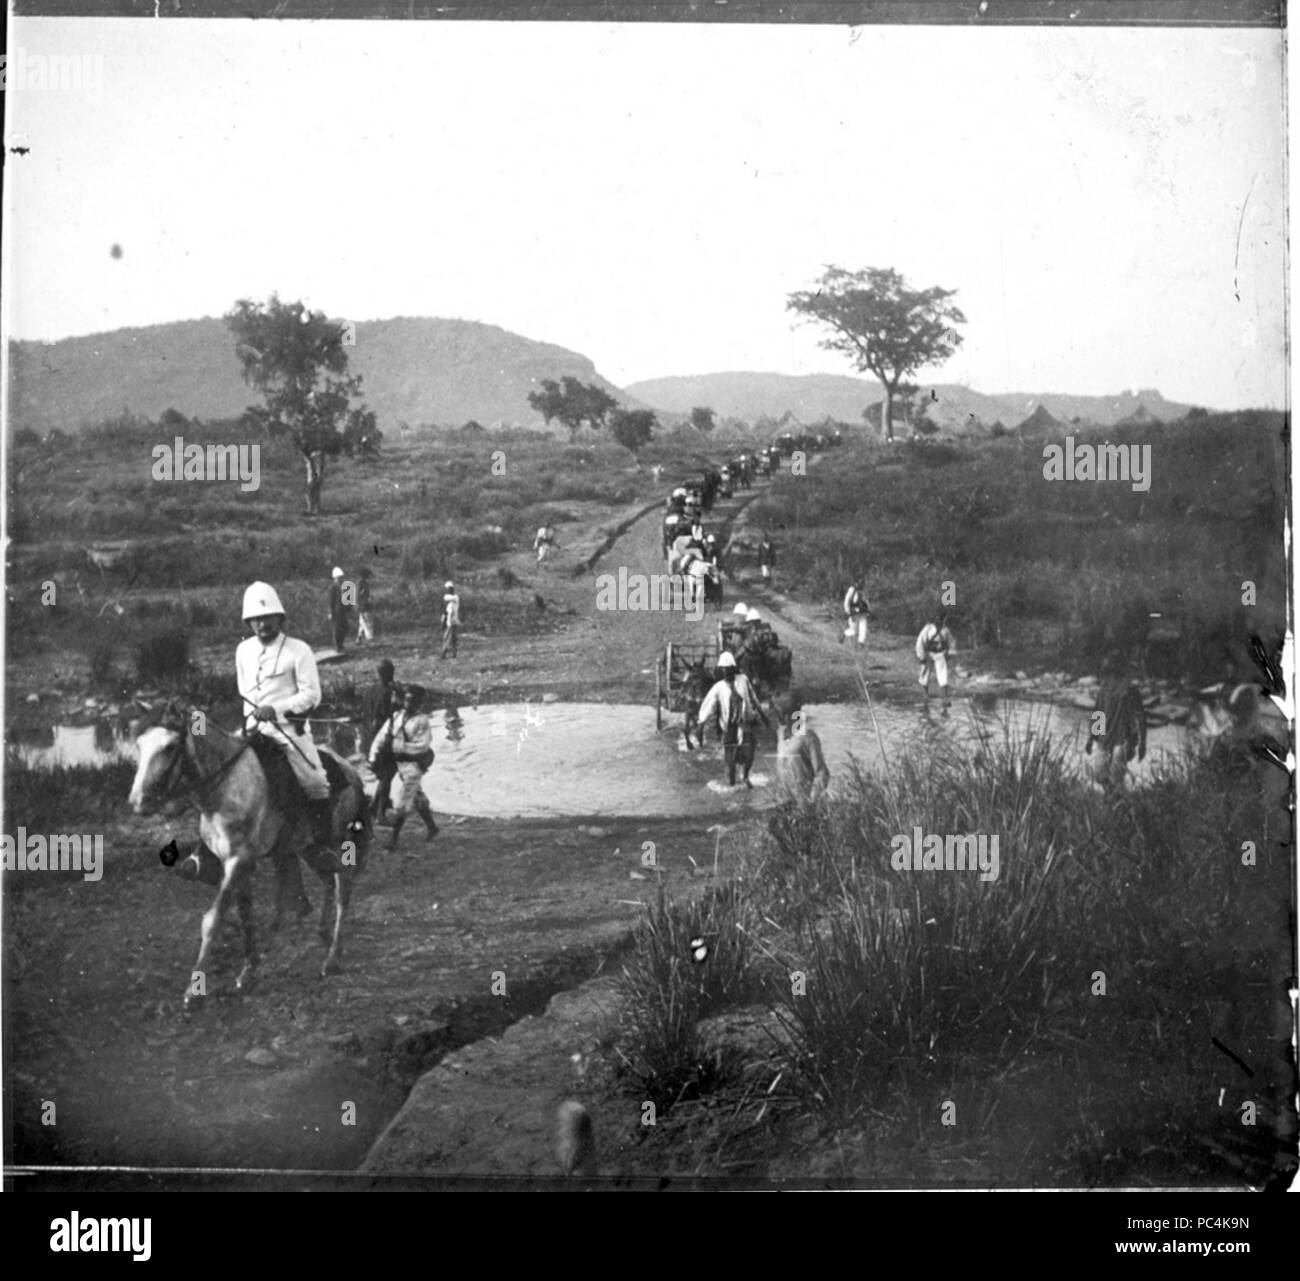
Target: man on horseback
[279,684]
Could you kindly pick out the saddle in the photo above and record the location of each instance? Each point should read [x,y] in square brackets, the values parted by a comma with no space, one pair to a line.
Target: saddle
[282,781]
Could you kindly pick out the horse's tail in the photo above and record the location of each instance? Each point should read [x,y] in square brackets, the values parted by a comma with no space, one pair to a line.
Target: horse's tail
[360,824]
[363,821]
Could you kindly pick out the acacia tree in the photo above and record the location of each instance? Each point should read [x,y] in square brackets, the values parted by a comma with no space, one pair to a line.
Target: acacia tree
[297,360]
[633,428]
[703,419]
[573,403]
[886,328]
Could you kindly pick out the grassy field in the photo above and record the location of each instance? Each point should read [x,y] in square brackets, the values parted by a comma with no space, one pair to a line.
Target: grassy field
[435,504]
[441,504]
[1065,571]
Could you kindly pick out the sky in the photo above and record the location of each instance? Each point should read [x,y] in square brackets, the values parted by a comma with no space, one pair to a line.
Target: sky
[1108,204]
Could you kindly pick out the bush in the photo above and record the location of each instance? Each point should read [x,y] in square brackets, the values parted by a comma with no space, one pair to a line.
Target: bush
[910,976]
[688,961]
[162,655]
[101,662]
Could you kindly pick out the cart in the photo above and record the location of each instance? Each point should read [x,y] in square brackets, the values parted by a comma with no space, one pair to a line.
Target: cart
[673,670]
[769,669]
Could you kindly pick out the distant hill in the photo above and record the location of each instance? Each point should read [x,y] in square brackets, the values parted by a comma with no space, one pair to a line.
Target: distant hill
[415,370]
[813,397]
[421,370]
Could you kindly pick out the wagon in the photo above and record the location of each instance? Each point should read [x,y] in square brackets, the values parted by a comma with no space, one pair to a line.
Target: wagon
[673,670]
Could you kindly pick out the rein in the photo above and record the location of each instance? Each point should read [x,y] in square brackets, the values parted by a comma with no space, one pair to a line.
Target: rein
[183,765]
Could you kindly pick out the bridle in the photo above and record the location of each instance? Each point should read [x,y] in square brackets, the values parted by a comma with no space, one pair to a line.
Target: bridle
[184,766]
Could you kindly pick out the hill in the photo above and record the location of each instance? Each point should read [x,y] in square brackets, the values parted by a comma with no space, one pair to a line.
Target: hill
[416,370]
[813,397]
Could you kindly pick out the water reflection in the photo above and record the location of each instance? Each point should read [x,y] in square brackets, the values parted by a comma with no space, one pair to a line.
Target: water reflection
[46,748]
[534,760]
[34,736]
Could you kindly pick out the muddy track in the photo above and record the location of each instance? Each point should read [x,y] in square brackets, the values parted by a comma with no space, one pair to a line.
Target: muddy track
[611,539]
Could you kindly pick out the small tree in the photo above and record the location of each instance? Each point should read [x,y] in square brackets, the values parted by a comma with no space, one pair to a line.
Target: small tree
[572,403]
[297,359]
[886,328]
[361,437]
[703,419]
[633,428]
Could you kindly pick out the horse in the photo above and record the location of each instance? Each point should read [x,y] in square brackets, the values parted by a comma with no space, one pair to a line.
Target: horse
[239,820]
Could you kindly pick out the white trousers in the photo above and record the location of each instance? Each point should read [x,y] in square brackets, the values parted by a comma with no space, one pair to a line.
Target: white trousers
[937,665]
[857,625]
[303,757]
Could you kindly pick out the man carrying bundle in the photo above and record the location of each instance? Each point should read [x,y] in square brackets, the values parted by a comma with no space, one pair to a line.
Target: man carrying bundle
[733,700]
[408,737]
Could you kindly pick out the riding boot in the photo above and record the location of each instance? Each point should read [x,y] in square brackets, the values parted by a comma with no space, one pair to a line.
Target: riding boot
[320,814]
[397,831]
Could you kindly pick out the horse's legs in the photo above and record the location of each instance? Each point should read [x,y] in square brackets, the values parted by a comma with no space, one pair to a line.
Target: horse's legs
[289,890]
[338,887]
[244,902]
[340,891]
[197,988]
[330,927]
[325,929]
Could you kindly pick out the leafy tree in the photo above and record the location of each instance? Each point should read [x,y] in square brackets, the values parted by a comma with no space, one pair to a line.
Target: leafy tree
[297,360]
[886,328]
[361,437]
[572,403]
[633,428]
[703,419]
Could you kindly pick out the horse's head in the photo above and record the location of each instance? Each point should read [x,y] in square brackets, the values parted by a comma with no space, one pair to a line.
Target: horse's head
[163,755]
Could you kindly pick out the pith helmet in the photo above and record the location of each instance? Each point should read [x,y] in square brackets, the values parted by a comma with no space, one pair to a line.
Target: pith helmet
[259,600]
[338,573]
[742,609]
[726,659]
[753,616]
